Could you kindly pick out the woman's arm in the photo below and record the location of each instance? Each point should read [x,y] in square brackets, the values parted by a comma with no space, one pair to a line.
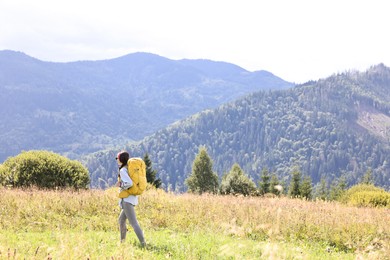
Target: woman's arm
[126,181]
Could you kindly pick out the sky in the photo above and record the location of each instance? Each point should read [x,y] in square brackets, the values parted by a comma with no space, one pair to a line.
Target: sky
[298,40]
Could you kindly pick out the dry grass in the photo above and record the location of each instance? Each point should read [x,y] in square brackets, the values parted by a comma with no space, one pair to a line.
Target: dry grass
[331,225]
[341,227]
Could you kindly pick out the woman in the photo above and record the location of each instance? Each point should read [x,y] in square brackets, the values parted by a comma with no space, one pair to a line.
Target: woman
[127,204]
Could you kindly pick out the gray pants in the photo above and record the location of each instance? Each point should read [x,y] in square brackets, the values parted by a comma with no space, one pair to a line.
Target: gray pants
[128,212]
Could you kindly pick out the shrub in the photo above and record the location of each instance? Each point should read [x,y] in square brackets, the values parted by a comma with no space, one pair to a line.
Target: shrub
[237,182]
[43,169]
[366,195]
[2,174]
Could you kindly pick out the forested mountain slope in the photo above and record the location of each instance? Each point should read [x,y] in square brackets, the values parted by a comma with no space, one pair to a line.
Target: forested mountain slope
[332,127]
[79,107]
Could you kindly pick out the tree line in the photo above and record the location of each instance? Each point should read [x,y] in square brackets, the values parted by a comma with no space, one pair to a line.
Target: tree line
[43,169]
[316,126]
[236,182]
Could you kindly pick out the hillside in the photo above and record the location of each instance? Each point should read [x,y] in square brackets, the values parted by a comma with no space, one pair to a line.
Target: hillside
[80,107]
[332,127]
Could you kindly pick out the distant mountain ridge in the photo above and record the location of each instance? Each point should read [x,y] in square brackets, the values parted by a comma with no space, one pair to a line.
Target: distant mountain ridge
[75,108]
[338,126]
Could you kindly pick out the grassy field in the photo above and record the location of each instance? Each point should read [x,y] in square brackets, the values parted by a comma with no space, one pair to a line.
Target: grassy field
[38,224]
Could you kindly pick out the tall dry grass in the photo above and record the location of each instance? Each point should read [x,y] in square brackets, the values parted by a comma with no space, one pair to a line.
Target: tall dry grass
[338,227]
[282,219]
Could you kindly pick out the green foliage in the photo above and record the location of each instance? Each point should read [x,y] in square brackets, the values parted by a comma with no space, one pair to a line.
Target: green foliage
[202,179]
[370,199]
[306,188]
[328,128]
[300,188]
[295,183]
[237,182]
[2,175]
[322,190]
[337,188]
[264,185]
[366,195]
[55,100]
[43,169]
[151,173]
[275,187]
[367,177]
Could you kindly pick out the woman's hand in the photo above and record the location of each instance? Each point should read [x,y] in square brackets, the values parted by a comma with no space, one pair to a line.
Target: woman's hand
[118,184]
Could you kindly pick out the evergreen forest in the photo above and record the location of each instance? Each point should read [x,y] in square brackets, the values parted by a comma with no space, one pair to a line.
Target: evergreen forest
[328,129]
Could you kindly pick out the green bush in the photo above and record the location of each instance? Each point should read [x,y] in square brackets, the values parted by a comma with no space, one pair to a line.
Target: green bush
[237,182]
[366,195]
[2,174]
[43,169]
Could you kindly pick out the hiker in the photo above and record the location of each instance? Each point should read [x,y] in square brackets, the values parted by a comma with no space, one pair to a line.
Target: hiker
[127,204]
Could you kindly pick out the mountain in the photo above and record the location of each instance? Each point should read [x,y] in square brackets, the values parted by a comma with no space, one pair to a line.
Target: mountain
[338,126]
[75,108]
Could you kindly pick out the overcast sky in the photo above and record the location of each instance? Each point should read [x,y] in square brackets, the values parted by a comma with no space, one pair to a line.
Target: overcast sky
[297,40]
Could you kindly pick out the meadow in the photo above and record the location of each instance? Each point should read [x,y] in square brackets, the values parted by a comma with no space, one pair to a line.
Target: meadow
[66,224]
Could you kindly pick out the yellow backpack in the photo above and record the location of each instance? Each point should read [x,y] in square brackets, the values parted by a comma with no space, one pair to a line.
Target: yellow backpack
[137,172]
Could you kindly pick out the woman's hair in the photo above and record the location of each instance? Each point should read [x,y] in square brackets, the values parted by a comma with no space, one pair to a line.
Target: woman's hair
[123,157]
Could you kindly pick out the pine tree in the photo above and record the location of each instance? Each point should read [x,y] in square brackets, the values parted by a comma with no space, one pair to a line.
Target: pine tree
[337,188]
[294,189]
[202,178]
[275,186]
[237,182]
[367,177]
[150,173]
[264,185]
[306,187]
[322,191]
